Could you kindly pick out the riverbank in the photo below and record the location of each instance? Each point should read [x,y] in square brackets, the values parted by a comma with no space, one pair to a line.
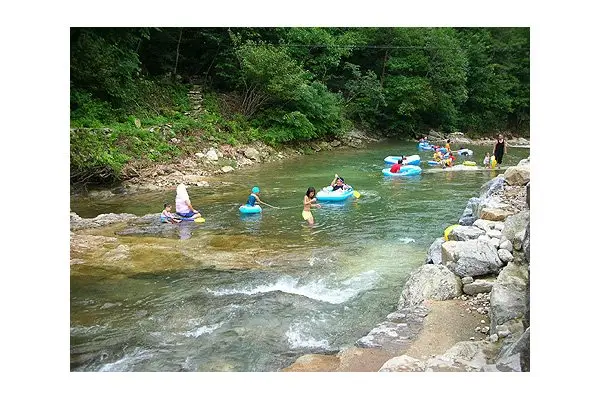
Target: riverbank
[209,166]
[467,308]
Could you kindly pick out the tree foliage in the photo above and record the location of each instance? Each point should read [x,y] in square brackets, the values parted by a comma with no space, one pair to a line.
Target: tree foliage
[289,84]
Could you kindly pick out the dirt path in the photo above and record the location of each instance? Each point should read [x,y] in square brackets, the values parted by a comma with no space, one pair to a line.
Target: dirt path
[447,323]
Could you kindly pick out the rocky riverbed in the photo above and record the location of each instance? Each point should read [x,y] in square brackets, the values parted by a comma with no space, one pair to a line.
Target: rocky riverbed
[212,162]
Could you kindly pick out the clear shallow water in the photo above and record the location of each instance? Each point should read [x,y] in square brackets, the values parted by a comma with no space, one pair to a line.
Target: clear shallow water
[259,291]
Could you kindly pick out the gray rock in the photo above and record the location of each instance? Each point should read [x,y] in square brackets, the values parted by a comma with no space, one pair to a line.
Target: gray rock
[212,155]
[434,254]
[508,296]
[464,233]
[466,280]
[519,239]
[430,281]
[471,258]
[505,255]
[227,168]
[252,154]
[493,233]
[526,243]
[494,337]
[509,364]
[515,223]
[478,286]
[495,242]
[100,220]
[403,363]
[484,224]
[469,215]
[506,245]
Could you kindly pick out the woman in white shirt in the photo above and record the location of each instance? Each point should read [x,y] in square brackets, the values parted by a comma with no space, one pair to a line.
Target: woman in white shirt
[183,206]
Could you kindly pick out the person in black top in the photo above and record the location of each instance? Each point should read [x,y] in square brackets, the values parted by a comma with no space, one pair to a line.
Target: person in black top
[338,183]
[500,149]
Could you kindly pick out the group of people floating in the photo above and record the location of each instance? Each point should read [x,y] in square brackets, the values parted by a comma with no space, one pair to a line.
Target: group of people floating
[447,158]
[185,211]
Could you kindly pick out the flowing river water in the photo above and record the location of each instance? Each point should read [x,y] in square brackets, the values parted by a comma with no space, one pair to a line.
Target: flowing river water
[253,293]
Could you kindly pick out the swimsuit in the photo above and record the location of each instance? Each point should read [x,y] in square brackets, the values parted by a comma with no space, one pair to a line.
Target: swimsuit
[306,215]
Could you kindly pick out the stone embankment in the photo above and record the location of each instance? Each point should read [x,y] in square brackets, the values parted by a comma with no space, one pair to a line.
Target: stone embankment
[477,280]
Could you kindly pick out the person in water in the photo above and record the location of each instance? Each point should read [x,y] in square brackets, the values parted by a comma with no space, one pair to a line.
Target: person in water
[309,201]
[449,161]
[183,206]
[500,149]
[167,217]
[338,183]
[253,198]
[486,160]
[447,146]
[396,167]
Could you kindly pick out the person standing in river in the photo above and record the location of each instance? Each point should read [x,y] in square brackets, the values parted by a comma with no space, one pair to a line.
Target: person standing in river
[183,205]
[309,199]
[500,149]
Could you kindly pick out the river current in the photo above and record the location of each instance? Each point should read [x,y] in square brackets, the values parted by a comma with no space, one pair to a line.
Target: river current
[253,293]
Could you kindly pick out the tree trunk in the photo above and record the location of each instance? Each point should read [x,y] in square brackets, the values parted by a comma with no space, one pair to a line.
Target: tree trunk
[177,55]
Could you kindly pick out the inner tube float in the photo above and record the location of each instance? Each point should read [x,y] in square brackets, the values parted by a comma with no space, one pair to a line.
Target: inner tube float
[448,230]
[410,160]
[424,146]
[328,194]
[464,152]
[246,209]
[434,163]
[405,170]
[469,163]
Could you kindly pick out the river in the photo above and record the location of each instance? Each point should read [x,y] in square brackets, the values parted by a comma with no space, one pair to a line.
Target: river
[253,293]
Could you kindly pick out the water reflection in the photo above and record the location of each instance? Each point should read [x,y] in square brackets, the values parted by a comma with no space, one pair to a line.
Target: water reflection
[185,229]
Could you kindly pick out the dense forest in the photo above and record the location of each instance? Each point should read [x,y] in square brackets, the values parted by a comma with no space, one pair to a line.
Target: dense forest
[285,85]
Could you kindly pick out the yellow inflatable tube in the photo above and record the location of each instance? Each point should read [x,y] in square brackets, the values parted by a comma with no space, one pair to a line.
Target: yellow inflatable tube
[448,230]
[470,163]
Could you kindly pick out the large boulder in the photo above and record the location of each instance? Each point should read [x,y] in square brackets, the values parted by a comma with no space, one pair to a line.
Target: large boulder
[471,258]
[100,220]
[462,357]
[508,299]
[403,363]
[526,243]
[494,214]
[212,155]
[430,281]
[469,215]
[517,176]
[464,233]
[515,223]
[478,286]
[252,154]
[434,254]
[520,347]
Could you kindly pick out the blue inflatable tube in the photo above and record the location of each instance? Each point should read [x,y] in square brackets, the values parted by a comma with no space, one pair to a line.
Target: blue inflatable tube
[410,160]
[464,152]
[327,194]
[246,209]
[433,163]
[424,146]
[406,170]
